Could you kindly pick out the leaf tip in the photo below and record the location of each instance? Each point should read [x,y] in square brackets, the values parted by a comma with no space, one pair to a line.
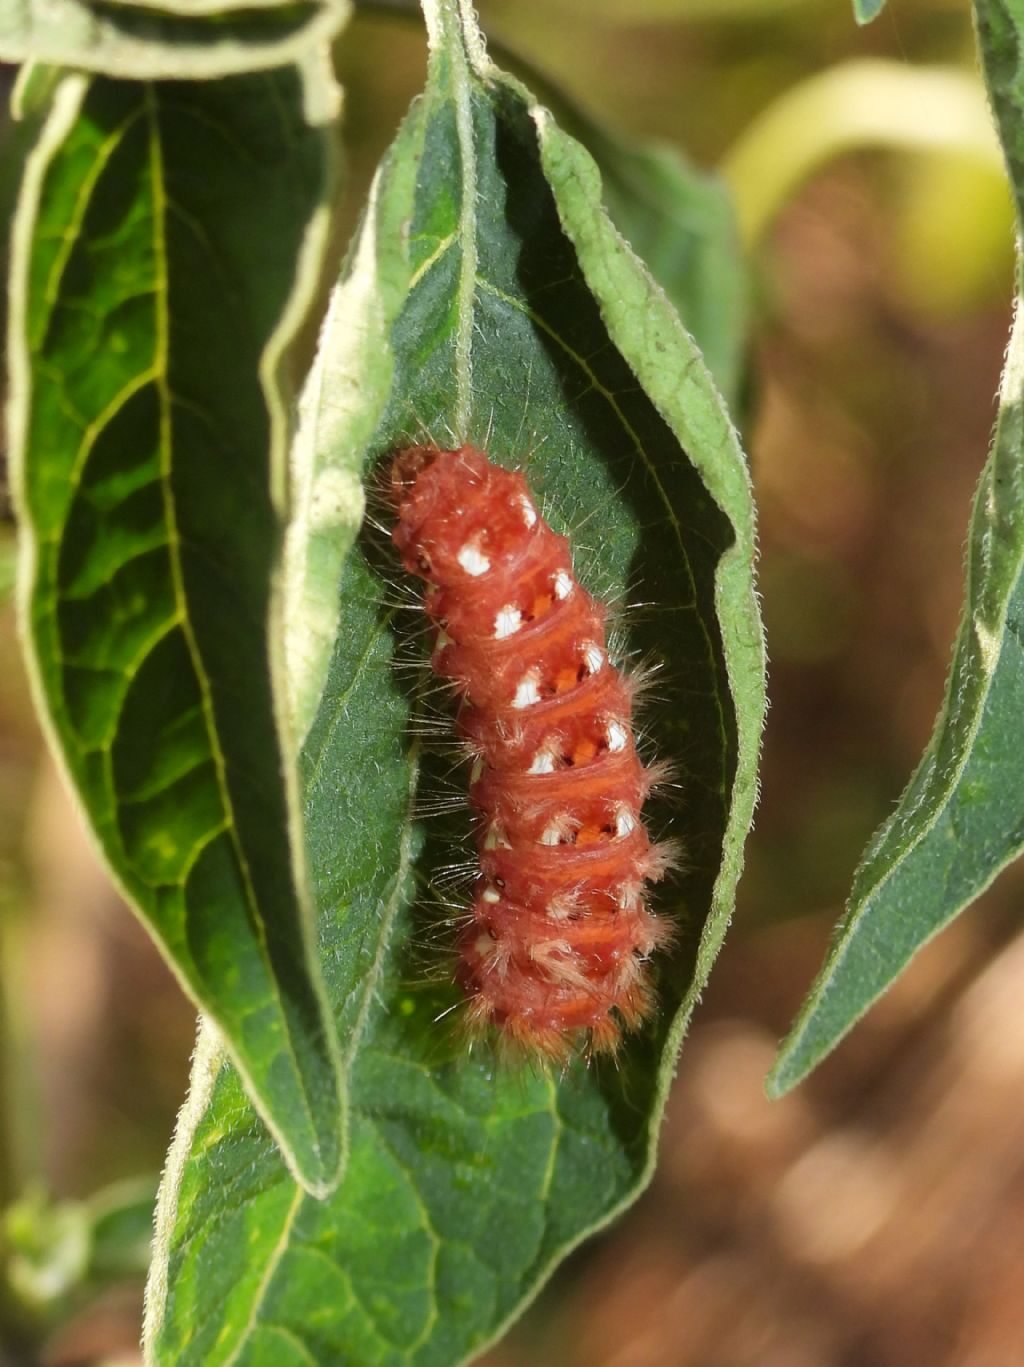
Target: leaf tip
[786,1072]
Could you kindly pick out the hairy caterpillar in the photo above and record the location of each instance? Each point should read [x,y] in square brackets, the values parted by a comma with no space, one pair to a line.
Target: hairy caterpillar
[554,952]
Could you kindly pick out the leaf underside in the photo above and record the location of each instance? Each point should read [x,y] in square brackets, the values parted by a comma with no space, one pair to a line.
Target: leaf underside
[467,1181]
[157,242]
[961,820]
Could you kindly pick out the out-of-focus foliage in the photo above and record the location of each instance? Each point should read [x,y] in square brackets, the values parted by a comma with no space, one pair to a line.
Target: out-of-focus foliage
[7,563]
[683,11]
[850,107]
[58,1252]
[866,10]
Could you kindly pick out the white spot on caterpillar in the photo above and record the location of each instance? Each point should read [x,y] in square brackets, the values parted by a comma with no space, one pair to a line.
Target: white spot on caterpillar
[476,773]
[593,656]
[529,511]
[443,639]
[507,622]
[495,838]
[562,585]
[491,895]
[628,896]
[527,692]
[552,836]
[616,735]
[473,560]
[625,822]
[543,763]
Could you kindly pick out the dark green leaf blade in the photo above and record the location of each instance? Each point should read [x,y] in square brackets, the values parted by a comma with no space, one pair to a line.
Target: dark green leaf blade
[161,39]
[961,820]
[679,220]
[508,311]
[167,238]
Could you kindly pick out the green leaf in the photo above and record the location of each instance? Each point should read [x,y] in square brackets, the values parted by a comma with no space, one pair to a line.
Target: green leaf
[167,241]
[961,820]
[679,220]
[46,1252]
[501,306]
[682,224]
[57,1255]
[866,10]
[160,39]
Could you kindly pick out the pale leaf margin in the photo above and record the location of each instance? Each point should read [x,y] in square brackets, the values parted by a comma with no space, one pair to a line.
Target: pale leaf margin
[322,96]
[193,9]
[328,503]
[201,41]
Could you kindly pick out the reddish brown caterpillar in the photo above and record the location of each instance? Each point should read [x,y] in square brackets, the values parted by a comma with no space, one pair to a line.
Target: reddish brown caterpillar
[555,949]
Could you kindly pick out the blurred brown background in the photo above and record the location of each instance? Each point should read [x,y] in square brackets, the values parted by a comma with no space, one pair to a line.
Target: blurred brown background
[876,1217]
